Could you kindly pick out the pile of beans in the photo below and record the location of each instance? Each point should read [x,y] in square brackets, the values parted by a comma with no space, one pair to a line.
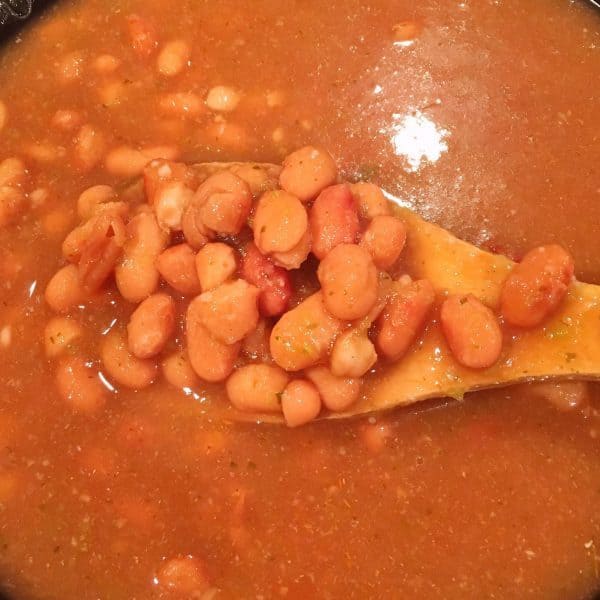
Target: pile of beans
[290,287]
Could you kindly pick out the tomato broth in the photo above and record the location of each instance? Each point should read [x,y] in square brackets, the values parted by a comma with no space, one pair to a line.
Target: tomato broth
[480,116]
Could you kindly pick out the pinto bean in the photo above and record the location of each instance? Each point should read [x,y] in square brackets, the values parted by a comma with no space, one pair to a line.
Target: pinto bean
[12,172]
[93,196]
[256,344]
[100,250]
[307,171]
[215,264]
[173,58]
[66,120]
[3,115]
[294,258]
[337,393]
[304,335]
[79,386]
[258,178]
[169,204]
[64,290]
[211,359]
[230,311]
[353,354]
[349,282]
[106,63]
[59,335]
[142,35]
[177,266]
[537,286]
[300,402]
[273,282]
[224,134]
[122,366]
[136,274]
[184,576]
[12,204]
[280,222]
[564,395]
[333,220]
[178,370]
[125,161]
[403,317]
[89,147]
[471,330]
[182,104]
[257,388]
[196,234]
[160,172]
[224,201]
[151,325]
[384,238]
[222,98]
[370,199]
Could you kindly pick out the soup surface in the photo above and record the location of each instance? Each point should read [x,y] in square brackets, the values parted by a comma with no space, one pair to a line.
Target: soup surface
[482,117]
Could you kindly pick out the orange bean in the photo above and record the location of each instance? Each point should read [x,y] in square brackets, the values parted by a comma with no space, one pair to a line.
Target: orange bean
[257,388]
[337,393]
[537,286]
[100,246]
[79,386]
[222,98]
[136,274]
[64,290]
[126,162]
[224,134]
[471,330]
[349,282]
[353,354]
[106,63]
[66,120]
[224,201]
[177,266]
[178,371]
[215,264]
[151,325]
[93,196]
[370,199]
[59,335]
[384,238]
[122,366]
[195,232]
[211,359]
[307,171]
[259,178]
[182,104]
[300,402]
[185,577]
[280,222]
[304,335]
[230,311]
[256,344]
[70,67]
[403,317]
[3,115]
[333,220]
[142,35]
[273,282]
[170,202]
[89,147]
[12,172]
[173,58]
[160,172]
[12,204]
[295,257]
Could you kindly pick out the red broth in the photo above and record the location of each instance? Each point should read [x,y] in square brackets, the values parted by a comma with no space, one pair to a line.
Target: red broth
[480,116]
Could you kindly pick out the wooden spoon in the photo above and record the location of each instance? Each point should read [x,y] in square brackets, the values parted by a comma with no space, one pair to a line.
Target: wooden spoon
[566,346]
